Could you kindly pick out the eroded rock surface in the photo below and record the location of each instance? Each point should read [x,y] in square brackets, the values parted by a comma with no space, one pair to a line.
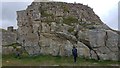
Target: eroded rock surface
[55,27]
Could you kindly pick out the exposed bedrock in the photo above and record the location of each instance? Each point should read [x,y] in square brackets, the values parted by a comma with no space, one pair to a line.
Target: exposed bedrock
[55,27]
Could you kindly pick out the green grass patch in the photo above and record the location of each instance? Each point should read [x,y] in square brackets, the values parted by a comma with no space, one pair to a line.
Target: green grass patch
[70,30]
[65,8]
[43,60]
[70,20]
[44,13]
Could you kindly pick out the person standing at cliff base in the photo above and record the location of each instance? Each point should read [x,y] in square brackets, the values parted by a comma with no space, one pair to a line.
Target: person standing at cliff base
[74,52]
[17,53]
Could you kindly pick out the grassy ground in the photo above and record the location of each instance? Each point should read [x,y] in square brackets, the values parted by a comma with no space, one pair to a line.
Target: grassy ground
[10,60]
[0,60]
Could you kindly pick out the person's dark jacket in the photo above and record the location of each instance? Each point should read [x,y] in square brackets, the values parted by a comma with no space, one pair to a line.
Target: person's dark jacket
[74,52]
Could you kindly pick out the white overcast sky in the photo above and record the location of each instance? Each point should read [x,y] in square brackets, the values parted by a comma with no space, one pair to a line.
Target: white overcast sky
[107,10]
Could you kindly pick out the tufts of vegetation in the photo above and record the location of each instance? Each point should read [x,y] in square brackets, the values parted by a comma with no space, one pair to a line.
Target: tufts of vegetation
[66,9]
[14,44]
[70,20]
[70,30]
[45,14]
[47,20]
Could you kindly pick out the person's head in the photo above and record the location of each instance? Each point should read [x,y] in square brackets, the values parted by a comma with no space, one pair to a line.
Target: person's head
[74,47]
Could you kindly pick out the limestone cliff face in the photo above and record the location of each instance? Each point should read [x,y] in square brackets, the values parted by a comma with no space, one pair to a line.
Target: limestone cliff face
[55,27]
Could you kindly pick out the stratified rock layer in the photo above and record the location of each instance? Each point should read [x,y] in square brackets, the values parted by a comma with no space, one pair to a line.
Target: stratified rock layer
[55,27]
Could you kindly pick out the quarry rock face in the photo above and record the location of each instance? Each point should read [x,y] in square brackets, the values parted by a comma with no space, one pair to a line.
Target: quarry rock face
[53,28]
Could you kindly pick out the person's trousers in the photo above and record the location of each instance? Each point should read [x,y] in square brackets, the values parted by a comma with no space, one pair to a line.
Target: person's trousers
[75,59]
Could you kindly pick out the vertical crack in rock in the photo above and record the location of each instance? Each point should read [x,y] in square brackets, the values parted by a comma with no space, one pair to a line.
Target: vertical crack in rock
[76,34]
[87,43]
[23,45]
[59,50]
[38,32]
[105,41]
[90,53]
